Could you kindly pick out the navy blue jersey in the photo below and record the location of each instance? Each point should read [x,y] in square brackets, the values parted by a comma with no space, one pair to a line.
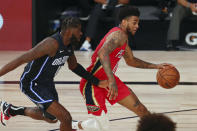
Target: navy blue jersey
[44,69]
[193,1]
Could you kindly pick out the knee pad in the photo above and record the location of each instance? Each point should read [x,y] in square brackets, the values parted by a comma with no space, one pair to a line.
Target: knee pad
[49,116]
[44,107]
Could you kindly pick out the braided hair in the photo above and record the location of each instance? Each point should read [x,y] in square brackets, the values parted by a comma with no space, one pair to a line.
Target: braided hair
[70,22]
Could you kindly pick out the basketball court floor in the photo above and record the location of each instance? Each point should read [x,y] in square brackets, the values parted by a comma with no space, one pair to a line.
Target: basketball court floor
[179,103]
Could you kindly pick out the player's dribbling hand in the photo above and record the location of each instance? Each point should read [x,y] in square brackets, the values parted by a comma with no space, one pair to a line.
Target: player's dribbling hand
[113,91]
[164,65]
[103,84]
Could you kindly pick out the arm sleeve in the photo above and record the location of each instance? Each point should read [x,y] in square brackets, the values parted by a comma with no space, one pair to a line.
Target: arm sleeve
[80,71]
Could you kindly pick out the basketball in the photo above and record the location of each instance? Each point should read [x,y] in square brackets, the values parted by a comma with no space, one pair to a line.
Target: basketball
[168,77]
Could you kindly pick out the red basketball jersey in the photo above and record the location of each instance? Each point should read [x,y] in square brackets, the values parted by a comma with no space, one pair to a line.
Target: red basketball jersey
[96,68]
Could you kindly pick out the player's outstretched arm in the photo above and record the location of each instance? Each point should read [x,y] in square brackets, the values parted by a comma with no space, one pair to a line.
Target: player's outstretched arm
[45,47]
[138,63]
[80,71]
[114,40]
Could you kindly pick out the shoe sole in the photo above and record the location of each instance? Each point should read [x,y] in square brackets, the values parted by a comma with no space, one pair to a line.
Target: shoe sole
[2,114]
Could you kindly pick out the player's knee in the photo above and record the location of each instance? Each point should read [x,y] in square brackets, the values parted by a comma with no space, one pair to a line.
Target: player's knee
[49,118]
[65,118]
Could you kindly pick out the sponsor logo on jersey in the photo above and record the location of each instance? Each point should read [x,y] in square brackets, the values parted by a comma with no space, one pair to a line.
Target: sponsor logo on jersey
[60,61]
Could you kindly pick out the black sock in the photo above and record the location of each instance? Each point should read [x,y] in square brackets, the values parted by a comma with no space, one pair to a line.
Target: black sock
[16,110]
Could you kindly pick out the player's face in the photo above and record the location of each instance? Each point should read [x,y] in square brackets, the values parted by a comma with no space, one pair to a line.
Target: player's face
[76,33]
[133,24]
[76,36]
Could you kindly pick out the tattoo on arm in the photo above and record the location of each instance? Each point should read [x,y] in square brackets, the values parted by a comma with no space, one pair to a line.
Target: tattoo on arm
[143,64]
[135,62]
[114,40]
[136,103]
[45,47]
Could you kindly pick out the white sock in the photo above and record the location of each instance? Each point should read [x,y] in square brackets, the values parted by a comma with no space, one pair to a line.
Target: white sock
[96,123]
[103,121]
[75,125]
[90,125]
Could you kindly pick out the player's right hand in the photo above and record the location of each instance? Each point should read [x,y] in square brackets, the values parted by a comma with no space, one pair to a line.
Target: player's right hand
[113,90]
[164,65]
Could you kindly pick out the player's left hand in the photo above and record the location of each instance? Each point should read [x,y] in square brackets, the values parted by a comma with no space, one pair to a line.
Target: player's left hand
[164,65]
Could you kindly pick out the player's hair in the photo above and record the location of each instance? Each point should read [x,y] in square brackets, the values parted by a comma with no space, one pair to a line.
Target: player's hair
[156,122]
[70,22]
[128,11]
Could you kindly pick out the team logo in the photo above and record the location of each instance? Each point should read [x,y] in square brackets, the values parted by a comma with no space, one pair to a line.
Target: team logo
[60,61]
[93,108]
[191,38]
[1,21]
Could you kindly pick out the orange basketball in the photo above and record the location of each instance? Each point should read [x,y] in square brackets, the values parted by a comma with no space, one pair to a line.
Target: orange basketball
[168,77]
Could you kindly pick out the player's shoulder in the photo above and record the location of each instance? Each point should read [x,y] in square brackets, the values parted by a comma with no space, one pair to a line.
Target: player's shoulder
[50,40]
[118,37]
[48,43]
[119,34]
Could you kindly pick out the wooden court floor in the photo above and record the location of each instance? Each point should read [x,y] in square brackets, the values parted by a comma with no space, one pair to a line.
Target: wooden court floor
[179,103]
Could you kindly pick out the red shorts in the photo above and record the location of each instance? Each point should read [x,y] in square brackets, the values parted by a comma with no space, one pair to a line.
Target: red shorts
[95,96]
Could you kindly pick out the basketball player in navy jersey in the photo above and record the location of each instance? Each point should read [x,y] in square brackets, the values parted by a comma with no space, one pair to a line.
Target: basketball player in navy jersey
[37,80]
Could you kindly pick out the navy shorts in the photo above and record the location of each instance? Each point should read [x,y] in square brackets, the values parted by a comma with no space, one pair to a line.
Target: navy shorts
[41,94]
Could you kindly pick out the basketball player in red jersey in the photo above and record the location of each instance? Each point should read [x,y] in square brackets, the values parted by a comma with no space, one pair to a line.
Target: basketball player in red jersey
[104,64]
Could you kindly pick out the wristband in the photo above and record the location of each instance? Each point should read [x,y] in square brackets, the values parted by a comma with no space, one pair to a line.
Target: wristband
[79,70]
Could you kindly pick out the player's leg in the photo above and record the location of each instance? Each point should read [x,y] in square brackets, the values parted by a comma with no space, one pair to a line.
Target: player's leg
[54,110]
[8,110]
[127,98]
[38,114]
[46,99]
[57,110]
[95,102]
[132,103]
[95,123]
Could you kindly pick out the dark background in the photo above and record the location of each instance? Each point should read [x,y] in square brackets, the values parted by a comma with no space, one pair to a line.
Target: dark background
[150,36]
